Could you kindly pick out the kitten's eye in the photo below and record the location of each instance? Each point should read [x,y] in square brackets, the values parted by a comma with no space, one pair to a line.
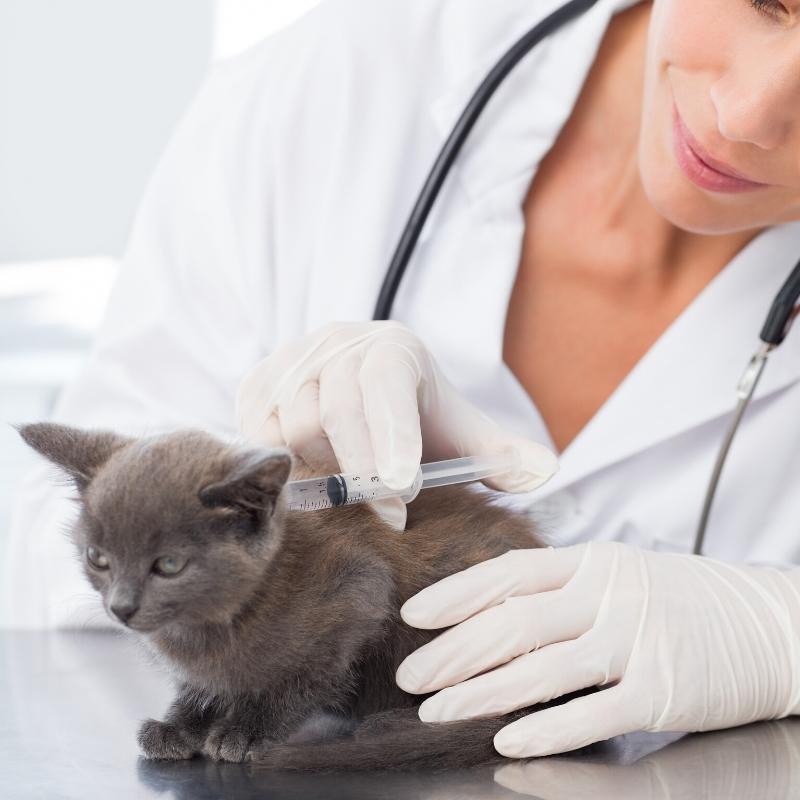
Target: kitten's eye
[96,558]
[167,566]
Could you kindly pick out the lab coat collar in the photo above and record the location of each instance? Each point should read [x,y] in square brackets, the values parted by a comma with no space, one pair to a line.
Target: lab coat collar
[688,377]
[512,135]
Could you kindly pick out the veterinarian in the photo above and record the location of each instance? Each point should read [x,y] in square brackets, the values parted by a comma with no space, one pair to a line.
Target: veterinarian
[587,289]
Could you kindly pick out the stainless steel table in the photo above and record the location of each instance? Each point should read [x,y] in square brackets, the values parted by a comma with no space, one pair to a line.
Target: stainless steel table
[72,701]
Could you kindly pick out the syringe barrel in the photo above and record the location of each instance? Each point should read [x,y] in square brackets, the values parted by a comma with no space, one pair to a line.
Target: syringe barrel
[333,491]
[339,492]
[467,468]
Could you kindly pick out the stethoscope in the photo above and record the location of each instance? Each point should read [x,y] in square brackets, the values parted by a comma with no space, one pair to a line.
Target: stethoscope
[779,318]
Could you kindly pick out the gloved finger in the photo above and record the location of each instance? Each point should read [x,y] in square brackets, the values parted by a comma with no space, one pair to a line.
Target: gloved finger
[492,637]
[555,670]
[517,572]
[388,381]
[344,424]
[257,420]
[276,378]
[302,431]
[479,434]
[392,510]
[266,432]
[537,465]
[341,414]
[252,411]
[592,718]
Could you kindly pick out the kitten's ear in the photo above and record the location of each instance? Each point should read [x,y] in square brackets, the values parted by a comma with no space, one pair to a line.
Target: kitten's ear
[80,453]
[251,485]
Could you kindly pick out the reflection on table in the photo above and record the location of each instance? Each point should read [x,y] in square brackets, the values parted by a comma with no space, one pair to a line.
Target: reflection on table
[73,702]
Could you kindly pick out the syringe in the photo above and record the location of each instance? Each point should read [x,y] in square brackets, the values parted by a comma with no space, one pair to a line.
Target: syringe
[331,491]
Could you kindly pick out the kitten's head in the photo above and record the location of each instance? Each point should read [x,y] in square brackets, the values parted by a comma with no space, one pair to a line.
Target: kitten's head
[176,529]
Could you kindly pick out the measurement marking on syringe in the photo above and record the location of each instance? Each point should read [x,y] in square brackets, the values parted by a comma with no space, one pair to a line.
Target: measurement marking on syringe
[341,489]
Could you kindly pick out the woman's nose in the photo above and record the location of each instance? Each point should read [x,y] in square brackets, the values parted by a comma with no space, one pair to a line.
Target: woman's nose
[759,103]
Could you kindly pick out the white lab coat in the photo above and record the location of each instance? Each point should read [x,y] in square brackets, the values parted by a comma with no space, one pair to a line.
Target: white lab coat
[276,208]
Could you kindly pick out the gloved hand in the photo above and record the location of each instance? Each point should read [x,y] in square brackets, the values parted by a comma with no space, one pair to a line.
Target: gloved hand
[368,395]
[682,643]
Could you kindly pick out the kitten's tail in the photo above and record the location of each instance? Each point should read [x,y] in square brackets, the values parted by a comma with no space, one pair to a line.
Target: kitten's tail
[395,739]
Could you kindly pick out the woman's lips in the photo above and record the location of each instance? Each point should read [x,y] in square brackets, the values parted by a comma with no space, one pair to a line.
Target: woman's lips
[700,171]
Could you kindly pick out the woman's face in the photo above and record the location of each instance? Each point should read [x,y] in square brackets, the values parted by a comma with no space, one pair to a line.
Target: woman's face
[731,68]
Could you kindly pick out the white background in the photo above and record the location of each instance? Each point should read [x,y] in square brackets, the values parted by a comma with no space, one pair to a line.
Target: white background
[90,91]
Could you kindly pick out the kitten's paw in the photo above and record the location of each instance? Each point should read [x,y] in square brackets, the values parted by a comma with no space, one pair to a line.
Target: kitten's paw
[226,743]
[258,750]
[161,740]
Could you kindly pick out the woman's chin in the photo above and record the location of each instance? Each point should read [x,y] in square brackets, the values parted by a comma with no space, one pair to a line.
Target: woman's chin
[694,210]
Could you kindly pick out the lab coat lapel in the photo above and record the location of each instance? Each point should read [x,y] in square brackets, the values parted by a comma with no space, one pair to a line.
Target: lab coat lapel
[688,377]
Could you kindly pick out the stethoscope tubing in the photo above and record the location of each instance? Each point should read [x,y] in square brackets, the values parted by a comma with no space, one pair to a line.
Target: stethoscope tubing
[454,143]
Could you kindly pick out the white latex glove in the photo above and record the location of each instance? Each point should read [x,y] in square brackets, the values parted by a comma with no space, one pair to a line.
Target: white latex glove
[682,643]
[367,395]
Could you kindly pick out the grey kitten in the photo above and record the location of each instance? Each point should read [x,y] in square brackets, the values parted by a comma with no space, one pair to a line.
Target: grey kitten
[282,627]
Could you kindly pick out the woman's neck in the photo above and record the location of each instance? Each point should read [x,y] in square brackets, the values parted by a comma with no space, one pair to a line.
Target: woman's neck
[655,250]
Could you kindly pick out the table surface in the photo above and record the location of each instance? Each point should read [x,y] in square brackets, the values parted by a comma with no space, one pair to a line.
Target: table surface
[72,702]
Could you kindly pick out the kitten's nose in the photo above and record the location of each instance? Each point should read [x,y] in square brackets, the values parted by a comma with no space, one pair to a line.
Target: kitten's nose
[124,611]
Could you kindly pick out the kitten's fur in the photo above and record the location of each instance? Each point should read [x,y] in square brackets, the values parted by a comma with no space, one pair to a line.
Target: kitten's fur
[284,627]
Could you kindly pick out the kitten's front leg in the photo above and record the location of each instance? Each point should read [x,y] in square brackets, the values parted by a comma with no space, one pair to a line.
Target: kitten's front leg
[182,733]
[230,737]
[255,723]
